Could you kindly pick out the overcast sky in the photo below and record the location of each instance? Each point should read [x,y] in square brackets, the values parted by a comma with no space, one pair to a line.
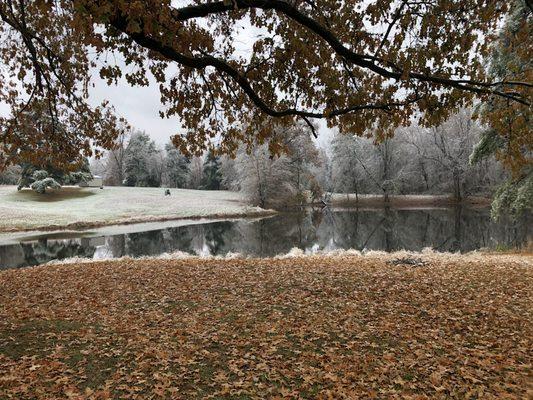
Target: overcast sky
[141,105]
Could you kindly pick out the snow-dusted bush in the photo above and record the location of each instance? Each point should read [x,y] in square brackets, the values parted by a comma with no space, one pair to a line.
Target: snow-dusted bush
[39,178]
[43,181]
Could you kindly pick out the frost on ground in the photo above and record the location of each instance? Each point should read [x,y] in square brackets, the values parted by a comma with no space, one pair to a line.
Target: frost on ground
[307,327]
[403,201]
[401,257]
[88,207]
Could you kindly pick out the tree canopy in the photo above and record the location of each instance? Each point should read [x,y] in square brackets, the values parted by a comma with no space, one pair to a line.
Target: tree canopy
[357,64]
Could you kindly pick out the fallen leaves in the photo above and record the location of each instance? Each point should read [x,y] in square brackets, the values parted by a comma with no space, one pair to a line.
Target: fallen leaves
[313,327]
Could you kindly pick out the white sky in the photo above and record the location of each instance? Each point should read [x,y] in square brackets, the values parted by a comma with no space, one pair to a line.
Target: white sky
[140,106]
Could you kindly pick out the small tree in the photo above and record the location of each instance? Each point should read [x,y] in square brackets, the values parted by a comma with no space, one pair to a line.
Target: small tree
[316,190]
[41,181]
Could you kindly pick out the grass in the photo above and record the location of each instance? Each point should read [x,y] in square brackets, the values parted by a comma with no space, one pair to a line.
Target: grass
[33,337]
[335,327]
[65,194]
[73,207]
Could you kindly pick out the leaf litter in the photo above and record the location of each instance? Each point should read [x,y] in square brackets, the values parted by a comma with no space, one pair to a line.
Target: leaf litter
[343,326]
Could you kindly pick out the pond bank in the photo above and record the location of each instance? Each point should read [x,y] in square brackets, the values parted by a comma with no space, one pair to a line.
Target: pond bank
[311,327]
[406,201]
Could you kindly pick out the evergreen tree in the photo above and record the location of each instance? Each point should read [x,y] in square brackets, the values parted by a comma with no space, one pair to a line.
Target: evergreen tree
[508,136]
[137,164]
[212,175]
[177,167]
[39,178]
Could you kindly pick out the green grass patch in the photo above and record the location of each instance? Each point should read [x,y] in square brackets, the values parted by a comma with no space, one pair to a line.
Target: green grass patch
[65,193]
[36,337]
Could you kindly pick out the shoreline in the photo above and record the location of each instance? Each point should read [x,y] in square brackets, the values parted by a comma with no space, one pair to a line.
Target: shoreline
[83,225]
[78,209]
[406,258]
[407,201]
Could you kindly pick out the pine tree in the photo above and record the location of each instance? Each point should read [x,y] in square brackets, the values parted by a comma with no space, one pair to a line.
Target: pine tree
[177,167]
[212,176]
[137,163]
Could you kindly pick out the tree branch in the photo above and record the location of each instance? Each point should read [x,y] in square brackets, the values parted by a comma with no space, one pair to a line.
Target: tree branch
[363,61]
[204,61]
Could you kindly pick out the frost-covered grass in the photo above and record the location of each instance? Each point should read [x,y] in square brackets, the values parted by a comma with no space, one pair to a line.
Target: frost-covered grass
[85,207]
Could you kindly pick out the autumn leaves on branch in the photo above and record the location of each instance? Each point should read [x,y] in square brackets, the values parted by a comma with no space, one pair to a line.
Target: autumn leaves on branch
[357,65]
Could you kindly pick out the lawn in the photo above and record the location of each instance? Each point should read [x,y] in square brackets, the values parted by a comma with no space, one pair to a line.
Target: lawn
[74,207]
[341,327]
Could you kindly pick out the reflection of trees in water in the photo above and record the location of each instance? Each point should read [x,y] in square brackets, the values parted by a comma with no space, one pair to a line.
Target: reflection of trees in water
[456,229]
[213,238]
[387,229]
[145,243]
[276,235]
[446,230]
[116,245]
[179,239]
[44,250]
[216,236]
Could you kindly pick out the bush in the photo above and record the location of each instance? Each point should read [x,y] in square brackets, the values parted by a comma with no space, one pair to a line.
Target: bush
[43,181]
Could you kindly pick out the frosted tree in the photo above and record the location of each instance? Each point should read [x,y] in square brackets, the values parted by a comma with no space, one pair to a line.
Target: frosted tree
[361,166]
[177,167]
[230,175]
[347,165]
[157,166]
[278,180]
[265,180]
[302,154]
[212,177]
[508,133]
[139,160]
[196,173]
[322,171]
[115,160]
[443,154]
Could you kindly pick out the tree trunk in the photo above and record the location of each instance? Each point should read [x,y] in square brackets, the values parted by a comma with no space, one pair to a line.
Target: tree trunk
[385,177]
[457,186]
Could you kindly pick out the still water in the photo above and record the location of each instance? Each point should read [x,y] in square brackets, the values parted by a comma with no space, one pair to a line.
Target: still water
[454,229]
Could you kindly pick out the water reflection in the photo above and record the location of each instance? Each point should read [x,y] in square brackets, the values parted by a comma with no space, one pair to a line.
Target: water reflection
[385,229]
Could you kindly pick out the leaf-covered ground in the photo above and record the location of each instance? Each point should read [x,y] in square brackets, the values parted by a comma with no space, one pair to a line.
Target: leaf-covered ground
[313,327]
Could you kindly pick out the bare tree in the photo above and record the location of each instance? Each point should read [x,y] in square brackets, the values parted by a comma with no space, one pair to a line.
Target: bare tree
[444,152]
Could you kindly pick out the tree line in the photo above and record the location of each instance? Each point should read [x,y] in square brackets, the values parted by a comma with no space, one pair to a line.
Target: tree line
[136,160]
[416,160]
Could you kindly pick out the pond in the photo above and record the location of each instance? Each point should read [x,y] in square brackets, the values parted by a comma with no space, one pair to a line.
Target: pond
[454,229]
